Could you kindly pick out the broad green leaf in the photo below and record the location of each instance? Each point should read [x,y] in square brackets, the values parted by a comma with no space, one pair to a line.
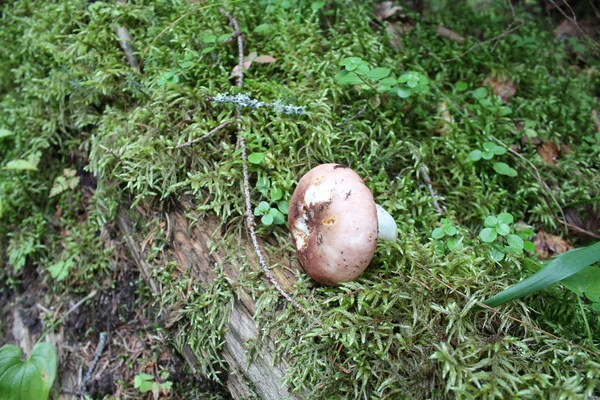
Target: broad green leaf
[20,165]
[350,63]
[209,39]
[283,206]
[504,169]
[563,266]
[208,49]
[488,235]
[502,229]
[586,281]
[475,155]
[529,246]
[29,379]
[515,242]
[498,150]
[267,219]
[506,218]
[264,207]
[461,86]
[317,5]
[276,194]
[530,133]
[438,233]
[348,78]
[496,254]
[5,133]
[256,158]
[450,230]
[487,155]
[491,221]
[377,74]
[480,93]
[403,93]
[278,217]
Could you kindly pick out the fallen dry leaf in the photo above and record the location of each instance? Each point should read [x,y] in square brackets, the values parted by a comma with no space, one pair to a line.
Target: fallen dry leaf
[386,10]
[450,34]
[548,245]
[501,86]
[549,152]
[264,59]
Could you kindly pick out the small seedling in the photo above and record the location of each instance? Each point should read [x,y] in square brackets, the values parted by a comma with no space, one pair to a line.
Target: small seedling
[357,71]
[145,383]
[447,232]
[501,235]
[487,152]
[273,211]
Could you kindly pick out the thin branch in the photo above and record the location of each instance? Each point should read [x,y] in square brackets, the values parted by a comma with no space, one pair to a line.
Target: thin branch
[496,38]
[432,193]
[201,138]
[126,41]
[99,350]
[573,20]
[242,146]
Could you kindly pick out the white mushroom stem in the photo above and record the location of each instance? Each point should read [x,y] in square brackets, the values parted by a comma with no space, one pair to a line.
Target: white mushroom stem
[387,229]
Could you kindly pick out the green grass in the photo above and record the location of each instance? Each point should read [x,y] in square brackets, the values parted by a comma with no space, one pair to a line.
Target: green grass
[69,96]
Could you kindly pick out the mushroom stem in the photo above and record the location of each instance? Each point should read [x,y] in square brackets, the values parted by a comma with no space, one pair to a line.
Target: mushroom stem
[387,229]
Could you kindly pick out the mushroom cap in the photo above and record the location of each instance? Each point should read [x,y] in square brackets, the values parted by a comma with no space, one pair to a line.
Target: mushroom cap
[333,222]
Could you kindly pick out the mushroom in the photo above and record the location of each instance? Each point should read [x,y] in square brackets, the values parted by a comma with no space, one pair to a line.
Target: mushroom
[335,224]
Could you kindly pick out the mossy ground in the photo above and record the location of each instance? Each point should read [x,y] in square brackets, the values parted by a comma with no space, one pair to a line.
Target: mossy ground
[72,102]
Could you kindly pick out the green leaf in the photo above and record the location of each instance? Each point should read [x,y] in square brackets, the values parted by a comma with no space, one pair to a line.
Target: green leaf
[348,78]
[29,379]
[403,93]
[20,165]
[262,28]
[515,242]
[480,93]
[377,74]
[487,155]
[351,63]
[586,281]
[496,254]
[506,218]
[267,219]
[278,217]
[5,133]
[283,206]
[438,233]
[263,207]
[209,39]
[461,86]
[504,169]
[276,194]
[488,235]
[475,155]
[208,50]
[529,246]
[140,381]
[563,266]
[450,230]
[453,243]
[256,158]
[490,221]
[530,133]
[505,110]
[61,269]
[502,229]
[317,5]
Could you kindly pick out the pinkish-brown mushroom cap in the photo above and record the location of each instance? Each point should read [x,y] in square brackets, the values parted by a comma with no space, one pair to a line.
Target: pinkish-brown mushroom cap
[333,222]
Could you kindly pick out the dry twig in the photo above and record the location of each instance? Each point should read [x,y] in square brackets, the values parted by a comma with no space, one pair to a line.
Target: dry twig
[514,25]
[126,41]
[201,138]
[99,350]
[242,146]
